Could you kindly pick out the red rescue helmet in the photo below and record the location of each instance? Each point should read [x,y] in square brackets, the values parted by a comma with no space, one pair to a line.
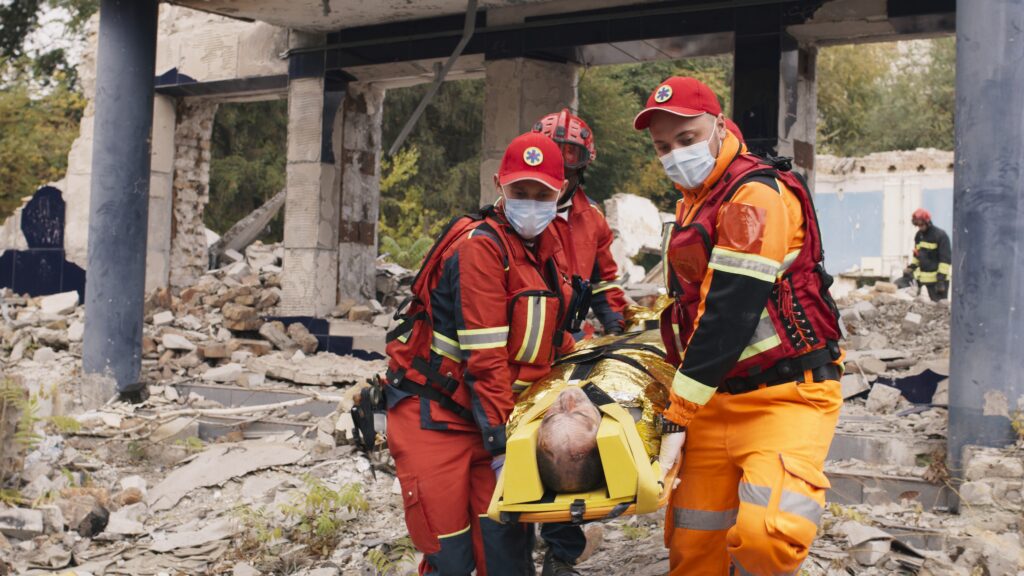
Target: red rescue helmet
[572,135]
[921,215]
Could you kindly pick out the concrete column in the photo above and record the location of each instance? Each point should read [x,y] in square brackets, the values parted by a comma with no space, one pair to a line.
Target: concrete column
[987,330]
[161,179]
[188,255]
[309,282]
[359,167]
[119,202]
[517,93]
[757,76]
[798,114]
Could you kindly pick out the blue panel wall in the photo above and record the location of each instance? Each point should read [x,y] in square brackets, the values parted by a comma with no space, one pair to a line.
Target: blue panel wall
[851,228]
[939,201]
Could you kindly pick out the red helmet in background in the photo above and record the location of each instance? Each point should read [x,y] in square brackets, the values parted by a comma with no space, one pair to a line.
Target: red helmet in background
[921,215]
[572,135]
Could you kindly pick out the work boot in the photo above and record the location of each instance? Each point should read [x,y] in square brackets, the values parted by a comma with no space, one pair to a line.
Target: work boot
[555,567]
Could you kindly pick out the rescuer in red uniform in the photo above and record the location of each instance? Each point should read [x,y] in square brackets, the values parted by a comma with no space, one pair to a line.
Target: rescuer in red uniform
[488,310]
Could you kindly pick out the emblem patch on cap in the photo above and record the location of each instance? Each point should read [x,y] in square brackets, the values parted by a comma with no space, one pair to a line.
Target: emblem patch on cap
[663,93]
[533,156]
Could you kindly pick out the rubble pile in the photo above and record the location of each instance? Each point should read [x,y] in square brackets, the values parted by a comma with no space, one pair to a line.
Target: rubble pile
[241,460]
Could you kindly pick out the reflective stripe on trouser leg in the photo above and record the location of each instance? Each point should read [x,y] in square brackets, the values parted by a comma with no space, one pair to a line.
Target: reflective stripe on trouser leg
[508,548]
[780,435]
[455,556]
[705,498]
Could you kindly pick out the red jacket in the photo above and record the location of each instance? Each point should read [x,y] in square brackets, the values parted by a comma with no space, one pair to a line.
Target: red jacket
[497,309]
[587,241]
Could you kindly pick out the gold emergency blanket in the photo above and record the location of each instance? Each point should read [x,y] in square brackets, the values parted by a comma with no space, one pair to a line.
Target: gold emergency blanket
[629,368]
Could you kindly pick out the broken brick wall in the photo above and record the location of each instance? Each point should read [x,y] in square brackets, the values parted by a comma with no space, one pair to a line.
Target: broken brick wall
[191,191]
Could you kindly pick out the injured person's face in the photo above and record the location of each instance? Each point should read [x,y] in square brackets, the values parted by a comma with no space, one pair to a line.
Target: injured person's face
[567,456]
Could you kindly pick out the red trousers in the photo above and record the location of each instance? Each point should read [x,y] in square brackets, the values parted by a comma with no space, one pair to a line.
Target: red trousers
[447,482]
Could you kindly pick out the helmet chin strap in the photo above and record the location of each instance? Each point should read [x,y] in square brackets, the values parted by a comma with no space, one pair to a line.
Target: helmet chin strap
[566,200]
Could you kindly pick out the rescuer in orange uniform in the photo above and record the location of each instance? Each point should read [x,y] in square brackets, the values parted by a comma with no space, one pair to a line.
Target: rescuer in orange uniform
[488,311]
[754,333]
[586,237]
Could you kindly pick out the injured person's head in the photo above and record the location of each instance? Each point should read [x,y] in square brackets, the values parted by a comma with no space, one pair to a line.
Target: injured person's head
[567,456]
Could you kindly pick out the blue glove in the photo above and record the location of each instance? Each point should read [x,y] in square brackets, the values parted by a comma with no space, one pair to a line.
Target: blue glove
[497,464]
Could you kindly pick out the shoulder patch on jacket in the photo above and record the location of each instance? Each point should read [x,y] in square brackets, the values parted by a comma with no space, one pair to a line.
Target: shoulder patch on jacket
[741,227]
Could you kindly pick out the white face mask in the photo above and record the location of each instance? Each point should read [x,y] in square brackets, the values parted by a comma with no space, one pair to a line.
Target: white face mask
[691,165]
[530,217]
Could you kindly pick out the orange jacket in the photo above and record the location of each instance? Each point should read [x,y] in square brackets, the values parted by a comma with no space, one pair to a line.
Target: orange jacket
[587,240]
[760,224]
[497,312]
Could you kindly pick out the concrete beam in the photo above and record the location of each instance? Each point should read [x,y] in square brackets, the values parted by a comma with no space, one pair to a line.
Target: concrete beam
[518,92]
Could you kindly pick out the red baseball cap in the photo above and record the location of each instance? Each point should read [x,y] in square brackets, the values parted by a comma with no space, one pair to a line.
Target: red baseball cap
[679,95]
[532,156]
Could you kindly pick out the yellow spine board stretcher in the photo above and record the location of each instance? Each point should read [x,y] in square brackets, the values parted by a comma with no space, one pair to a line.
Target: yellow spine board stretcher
[632,480]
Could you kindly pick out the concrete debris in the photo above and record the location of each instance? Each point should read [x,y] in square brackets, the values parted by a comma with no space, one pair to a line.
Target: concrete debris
[21,523]
[218,465]
[58,303]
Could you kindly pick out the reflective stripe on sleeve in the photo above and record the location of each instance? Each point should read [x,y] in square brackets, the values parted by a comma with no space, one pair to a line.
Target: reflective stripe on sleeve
[927,245]
[751,265]
[446,347]
[704,519]
[665,266]
[765,338]
[689,389]
[535,317]
[945,268]
[483,338]
[603,286]
[787,262]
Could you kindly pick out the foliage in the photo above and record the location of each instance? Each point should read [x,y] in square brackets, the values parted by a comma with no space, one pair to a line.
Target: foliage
[638,532]
[21,410]
[389,559]
[64,424]
[36,133]
[248,161]
[404,223]
[893,96]
[192,444]
[317,510]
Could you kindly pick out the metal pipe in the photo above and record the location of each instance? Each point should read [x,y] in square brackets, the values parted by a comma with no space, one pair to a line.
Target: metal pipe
[119,197]
[467,32]
[986,389]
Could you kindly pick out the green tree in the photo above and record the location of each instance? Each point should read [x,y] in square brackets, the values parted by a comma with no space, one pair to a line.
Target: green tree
[247,165]
[35,136]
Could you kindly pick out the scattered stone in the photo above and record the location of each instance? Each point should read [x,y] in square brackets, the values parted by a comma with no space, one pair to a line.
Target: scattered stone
[163,318]
[883,399]
[62,303]
[44,355]
[233,255]
[94,522]
[275,333]
[76,330]
[912,322]
[177,342]
[301,336]
[21,523]
[343,308]
[241,318]
[215,351]
[225,373]
[885,287]
[243,569]
[360,314]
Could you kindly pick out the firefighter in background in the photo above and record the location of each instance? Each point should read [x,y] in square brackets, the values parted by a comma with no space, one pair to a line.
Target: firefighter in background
[753,331]
[930,265]
[587,239]
[488,311]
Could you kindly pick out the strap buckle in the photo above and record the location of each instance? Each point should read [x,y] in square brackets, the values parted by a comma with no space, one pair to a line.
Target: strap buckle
[576,510]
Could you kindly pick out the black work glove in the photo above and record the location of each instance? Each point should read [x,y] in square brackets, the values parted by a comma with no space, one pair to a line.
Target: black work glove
[942,289]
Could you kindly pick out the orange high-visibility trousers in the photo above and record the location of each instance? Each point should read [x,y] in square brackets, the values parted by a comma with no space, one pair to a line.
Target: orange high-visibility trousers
[752,488]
